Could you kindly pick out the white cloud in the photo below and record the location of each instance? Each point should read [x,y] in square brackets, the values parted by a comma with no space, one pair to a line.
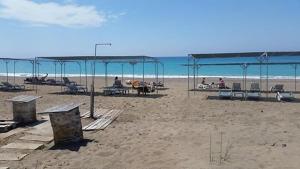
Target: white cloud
[50,13]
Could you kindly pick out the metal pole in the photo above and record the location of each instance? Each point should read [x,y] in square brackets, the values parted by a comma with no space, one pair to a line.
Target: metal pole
[295,78]
[163,73]
[15,72]
[36,75]
[93,81]
[61,74]
[79,72]
[55,71]
[122,72]
[144,74]
[86,86]
[64,69]
[156,74]
[188,76]
[6,66]
[267,61]
[106,83]
[194,74]
[133,72]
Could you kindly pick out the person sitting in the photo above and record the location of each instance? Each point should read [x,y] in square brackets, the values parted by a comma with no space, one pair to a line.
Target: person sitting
[203,81]
[117,83]
[221,84]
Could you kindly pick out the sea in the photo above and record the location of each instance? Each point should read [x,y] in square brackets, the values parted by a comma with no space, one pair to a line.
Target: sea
[173,68]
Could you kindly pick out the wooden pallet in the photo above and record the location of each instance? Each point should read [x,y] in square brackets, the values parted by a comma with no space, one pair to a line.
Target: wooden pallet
[103,120]
[5,126]
[97,114]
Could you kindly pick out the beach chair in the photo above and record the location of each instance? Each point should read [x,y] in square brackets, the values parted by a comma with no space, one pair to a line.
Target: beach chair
[67,81]
[254,92]
[225,93]
[9,86]
[36,80]
[74,89]
[54,82]
[117,88]
[277,88]
[285,96]
[237,90]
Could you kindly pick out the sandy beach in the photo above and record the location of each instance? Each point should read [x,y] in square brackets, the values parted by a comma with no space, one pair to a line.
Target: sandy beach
[170,130]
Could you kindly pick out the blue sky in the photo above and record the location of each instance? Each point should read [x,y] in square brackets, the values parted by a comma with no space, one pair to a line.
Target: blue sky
[147,27]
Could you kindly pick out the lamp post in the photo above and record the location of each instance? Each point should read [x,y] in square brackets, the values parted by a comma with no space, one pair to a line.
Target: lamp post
[93,79]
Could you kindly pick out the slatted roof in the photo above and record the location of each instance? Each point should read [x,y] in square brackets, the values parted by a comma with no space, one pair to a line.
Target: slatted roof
[17,59]
[244,54]
[237,64]
[103,58]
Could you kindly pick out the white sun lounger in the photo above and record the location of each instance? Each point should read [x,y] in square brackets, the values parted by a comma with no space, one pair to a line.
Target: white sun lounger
[254,92]
[285,96]
[225,93]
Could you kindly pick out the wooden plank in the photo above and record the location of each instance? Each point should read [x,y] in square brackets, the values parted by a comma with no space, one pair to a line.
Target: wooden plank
[23,146]
[10,133]
[11,156]
[4,168]
[43,129]
[101,123]
[112,118]
[37,138]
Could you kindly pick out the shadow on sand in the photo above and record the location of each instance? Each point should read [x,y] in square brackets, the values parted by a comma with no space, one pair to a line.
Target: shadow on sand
[262,99]
[71,146]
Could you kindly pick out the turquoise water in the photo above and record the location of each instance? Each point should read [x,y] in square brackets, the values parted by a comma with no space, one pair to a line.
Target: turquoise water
[173,68]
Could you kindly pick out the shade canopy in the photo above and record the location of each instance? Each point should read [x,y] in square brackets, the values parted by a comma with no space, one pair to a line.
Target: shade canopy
[244,54]
[109,59]
[16,59]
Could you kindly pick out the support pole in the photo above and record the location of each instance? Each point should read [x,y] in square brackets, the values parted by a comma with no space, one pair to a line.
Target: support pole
[6,66]
[267,61]
[122,73]
[61,74]
[55,70]
[144,74]
[106,81]
[188,76]
[15,71]
[163,73]
[194,74]
[295,69]
[85,67]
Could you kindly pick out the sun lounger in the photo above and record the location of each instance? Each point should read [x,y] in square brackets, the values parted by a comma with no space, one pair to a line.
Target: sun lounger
[225,94]
[115,90]
[54,82]
[9,86]
[36,80]
[285,96]
[254,92]
[67,81]
[277,88]
[237,90]
[74,89]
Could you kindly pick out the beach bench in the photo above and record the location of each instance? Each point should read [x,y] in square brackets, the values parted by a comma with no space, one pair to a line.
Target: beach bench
[282,95]
[74,89]
[115,90]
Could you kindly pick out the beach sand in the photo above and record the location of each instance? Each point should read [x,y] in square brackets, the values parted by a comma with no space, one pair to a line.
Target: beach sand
[170,130]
